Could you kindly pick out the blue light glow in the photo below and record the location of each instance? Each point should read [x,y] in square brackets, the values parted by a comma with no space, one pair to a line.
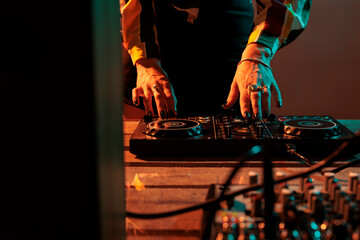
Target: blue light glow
[314,225]
[295,233]
[255,150]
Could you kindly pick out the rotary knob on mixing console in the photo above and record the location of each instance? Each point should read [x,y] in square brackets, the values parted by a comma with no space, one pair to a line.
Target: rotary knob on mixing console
[334,185]
[284,197]
[352,183]
[343,202]
[253,178]
[337,196]
[349,213]
[329,176]
[319,209]
[311,200]
[257,204]
[308,185]
[280,186]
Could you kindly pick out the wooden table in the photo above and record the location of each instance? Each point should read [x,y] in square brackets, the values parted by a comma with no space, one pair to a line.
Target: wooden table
[163,183]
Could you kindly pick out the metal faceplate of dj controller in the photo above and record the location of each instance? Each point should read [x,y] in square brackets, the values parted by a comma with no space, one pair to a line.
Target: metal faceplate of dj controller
[225,135]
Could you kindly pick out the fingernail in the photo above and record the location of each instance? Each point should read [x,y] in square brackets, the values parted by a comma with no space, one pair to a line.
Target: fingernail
[162,114]
[136,102]
[171,113]
[257,116]
[222,106]
[279,104]
[247,115]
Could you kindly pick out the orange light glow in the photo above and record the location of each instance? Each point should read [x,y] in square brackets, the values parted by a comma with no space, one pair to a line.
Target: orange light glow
[323,226]
[281,225]
[139,186]
[220,236]
[355,236]
[261,225]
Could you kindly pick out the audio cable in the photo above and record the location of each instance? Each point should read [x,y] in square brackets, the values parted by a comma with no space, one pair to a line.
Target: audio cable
[214,202]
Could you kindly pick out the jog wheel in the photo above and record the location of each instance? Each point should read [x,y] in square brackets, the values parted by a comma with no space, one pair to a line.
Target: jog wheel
[174,128]
[311,128]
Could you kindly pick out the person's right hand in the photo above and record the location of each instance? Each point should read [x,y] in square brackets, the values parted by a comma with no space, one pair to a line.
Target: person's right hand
[152,81]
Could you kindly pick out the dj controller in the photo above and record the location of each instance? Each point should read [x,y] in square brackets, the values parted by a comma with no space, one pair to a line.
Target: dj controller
[231,135]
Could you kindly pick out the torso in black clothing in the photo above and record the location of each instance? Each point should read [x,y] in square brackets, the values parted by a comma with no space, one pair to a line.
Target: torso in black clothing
[201,58]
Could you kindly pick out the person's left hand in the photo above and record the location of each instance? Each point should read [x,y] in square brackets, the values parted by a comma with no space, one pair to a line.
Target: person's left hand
[255,83]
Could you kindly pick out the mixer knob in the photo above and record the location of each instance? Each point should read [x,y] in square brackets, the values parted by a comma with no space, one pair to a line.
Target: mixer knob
[253,178]
[344,200]
[329,176]
[280,186]
[301,184]
[353,182]
[313,194]
[349,212]
[308,185]
[337,196]
[285,197]
[319,211]
[257,204]
[334,185]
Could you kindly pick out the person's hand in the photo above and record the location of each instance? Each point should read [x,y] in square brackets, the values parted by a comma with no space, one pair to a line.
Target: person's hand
[255,83]
[152,81]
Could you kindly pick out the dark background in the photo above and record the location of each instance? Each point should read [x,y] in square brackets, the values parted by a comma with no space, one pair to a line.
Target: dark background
[48,158]
[318,74]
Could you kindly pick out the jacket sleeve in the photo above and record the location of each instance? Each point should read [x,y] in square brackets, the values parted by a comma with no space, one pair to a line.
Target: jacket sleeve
[279,22]
[138,29]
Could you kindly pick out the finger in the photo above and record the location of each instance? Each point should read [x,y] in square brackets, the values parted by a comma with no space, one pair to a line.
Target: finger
[170,100]
[160,102]
[245,104]
[256,104]
[147,100]
[233,96]
[276,91]
[136,93]
[266,102]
